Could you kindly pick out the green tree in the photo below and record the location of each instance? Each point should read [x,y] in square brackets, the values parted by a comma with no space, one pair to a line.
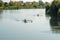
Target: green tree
[21,3]
[35,4]
[16,3]
[47,5]
[11,3]
[41,4]
[6,4]
[1,3]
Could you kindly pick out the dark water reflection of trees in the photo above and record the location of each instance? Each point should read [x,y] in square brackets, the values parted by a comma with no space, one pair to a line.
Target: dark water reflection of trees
[1,14]
[55,24]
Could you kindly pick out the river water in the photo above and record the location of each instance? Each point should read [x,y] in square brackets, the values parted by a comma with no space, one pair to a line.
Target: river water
[13,27]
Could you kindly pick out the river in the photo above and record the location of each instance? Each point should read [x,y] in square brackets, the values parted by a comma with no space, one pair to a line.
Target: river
[13,27]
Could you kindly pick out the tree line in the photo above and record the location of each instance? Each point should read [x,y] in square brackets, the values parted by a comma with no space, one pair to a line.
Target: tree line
[21,4]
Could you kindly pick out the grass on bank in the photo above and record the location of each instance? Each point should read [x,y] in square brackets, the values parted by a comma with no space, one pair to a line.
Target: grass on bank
[19,7]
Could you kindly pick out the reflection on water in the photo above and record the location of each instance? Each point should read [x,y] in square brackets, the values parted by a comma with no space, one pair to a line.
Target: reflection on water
[1,14]
[54,30]
[54,23]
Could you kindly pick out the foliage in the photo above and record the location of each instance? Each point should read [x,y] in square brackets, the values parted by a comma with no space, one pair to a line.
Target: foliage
[54,6]
[20,5]
[1,3]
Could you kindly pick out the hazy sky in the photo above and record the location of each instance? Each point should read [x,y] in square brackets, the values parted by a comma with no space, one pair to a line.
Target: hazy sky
[28,0]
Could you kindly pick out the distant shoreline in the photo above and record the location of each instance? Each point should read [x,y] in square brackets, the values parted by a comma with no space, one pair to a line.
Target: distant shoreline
[1,8]
[12,5]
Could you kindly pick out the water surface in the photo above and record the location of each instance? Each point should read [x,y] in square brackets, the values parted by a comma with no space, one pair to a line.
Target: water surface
[12,26]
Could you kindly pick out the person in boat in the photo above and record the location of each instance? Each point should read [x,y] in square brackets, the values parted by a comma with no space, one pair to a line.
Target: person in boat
[37,14]
[25,21]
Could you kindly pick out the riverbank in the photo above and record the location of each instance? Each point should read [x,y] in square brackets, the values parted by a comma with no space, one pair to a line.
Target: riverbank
[21,7]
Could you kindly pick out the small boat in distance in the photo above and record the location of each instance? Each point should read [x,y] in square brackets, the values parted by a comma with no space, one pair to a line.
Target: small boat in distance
[26,21]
